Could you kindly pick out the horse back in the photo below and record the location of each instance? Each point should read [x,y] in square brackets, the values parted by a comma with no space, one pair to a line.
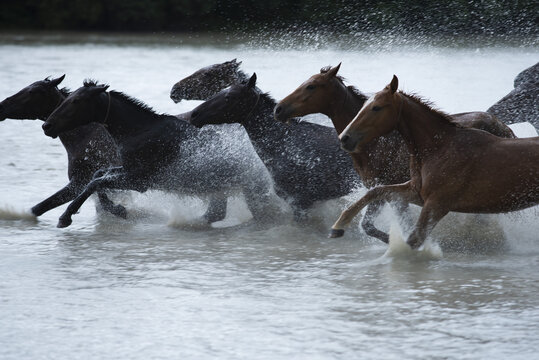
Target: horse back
[481,173]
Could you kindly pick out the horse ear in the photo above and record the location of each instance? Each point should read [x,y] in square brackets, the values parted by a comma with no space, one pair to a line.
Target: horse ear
[333,71]
[57,81]
[252,81]
[234,62]
[394,85]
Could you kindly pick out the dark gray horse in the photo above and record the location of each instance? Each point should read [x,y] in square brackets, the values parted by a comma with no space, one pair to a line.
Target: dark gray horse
[158,152]
[305,161]
[522,103]
[208,81]
[88,148]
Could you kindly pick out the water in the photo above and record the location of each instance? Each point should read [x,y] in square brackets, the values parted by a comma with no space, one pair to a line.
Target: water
[154,287]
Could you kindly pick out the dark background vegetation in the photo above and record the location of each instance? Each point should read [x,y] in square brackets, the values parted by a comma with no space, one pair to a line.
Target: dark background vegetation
[455,17]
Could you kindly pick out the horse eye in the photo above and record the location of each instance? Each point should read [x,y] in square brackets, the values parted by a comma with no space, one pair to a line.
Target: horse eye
[376,108]
[311,87]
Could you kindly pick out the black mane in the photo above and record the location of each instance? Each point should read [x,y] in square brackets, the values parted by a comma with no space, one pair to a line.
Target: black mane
[352,88]
[126,98]
[135,102]
[65,91]
[91,82]
[430,106]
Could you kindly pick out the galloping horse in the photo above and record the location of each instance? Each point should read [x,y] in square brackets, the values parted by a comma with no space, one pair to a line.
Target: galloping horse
[158,152]
[89,148]
[305,163]
[385,159]
[452,168]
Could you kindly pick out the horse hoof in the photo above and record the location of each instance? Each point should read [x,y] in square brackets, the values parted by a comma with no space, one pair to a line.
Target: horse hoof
[62,223]
[36,212]
[120,211]
[335,233]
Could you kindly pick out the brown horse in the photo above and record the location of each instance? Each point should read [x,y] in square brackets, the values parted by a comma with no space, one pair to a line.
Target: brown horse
[452,168]
[385,159]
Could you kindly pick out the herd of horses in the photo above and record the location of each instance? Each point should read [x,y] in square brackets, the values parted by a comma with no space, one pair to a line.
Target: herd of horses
[396,144]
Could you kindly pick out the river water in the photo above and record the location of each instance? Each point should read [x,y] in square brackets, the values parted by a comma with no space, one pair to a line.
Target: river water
[154,287]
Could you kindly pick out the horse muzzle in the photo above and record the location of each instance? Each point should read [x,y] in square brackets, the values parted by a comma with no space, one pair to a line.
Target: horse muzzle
[349,143]
[49,130]
[282,113]
[175,96]
[3,113]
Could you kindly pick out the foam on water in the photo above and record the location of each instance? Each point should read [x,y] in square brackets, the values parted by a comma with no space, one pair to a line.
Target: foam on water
[7,212]
[399,249]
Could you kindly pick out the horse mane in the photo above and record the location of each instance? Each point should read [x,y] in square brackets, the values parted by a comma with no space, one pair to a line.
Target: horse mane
[354,90]
[91,82]
[135,102]
[430,106]
[126,98]
[65,91]
[241,75]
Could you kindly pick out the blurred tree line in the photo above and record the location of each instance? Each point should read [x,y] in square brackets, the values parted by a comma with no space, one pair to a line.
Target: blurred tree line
[417,16]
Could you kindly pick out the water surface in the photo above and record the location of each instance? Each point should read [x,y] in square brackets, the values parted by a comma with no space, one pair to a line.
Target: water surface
[106,288]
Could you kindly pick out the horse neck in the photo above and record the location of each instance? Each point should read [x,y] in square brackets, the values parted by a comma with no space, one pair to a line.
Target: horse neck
[424,130]
[343,107]
[125,119]
[240,76]
[262,128]
[259,120]
[56,100]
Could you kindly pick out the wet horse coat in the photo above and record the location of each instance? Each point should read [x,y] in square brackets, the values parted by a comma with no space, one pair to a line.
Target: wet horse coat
[452,168]
[305,161]
[385,159]
[158,152]
[89,148]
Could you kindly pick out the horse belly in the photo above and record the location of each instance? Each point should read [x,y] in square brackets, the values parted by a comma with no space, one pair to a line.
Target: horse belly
[499,197]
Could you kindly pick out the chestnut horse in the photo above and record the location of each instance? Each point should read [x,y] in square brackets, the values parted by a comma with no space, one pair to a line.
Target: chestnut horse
[452,168]
[385,159]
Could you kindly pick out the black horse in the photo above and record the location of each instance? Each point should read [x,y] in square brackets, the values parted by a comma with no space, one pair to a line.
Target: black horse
[158,152]
[88,148]
[306,161]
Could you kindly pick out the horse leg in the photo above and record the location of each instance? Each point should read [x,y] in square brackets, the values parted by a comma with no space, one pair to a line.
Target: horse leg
[300,207]
[107,181]
[387,193]
[62,196]
[428,218]
[216,209]
[259,200]
[373,209]
[106,203]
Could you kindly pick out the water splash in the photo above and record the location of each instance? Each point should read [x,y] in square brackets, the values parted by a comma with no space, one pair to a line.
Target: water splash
[7,212]
[399,249]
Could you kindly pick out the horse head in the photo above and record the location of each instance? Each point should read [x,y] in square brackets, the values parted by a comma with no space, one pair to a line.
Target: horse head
[231,105]
[87,104]
[36,101]
[378,116]
[311,97]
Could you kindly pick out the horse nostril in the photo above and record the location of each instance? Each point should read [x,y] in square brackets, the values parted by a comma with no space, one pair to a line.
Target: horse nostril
[345,138]
[194,114]
[278,109]
[46,126]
